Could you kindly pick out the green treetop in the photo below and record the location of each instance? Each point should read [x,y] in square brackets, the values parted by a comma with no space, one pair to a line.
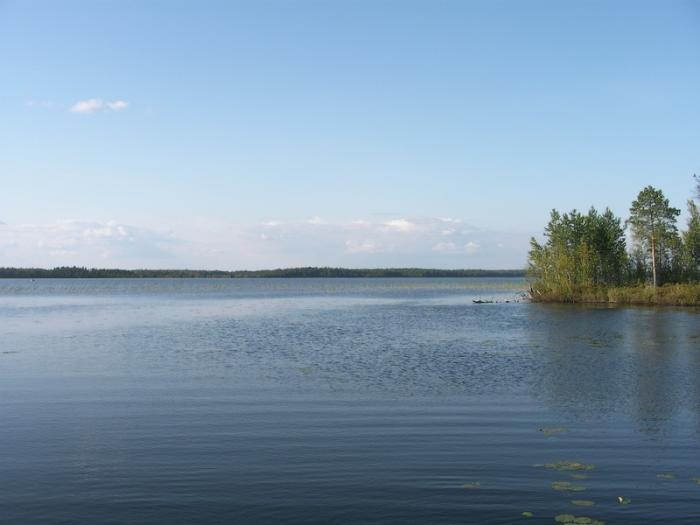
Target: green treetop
[653,223]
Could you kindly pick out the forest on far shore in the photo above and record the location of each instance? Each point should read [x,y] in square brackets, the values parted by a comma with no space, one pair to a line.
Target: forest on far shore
[72,272]
[585,257]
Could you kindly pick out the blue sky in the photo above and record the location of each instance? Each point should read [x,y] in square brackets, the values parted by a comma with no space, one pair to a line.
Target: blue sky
[354,133]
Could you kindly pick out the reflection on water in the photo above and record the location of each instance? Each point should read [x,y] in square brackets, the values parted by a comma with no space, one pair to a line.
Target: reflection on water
[598,362]
[341,400]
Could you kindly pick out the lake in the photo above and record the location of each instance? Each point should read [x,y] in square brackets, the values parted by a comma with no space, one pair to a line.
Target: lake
[342,401]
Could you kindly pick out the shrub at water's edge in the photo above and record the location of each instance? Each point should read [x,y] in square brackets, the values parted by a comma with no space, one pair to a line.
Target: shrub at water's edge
[584,258]
[681,294]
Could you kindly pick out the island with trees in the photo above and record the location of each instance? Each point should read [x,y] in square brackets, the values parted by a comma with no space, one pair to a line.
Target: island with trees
[585,257]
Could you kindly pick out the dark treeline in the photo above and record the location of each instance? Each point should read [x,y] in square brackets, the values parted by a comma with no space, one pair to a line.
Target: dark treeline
[376,272]
[80,272]
[70,272]
[585,257]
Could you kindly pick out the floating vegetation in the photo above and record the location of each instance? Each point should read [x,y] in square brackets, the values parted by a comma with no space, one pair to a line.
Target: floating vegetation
[568,465]
[666,475]
[552,431]
[527,514]
[623,500]
[567,486]
[579,520]
[583,502]
[696,480]
[579,476]
[472,485]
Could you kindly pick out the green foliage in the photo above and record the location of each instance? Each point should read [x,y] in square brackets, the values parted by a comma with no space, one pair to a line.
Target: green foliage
[691,242]
[653,224]
[580,251]
[584,259]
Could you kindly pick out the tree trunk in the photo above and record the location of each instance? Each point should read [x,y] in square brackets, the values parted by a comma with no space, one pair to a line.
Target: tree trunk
[653,260]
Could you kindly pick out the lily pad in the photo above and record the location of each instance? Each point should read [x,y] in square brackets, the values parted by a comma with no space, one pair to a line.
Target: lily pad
[552,431]
[577,520]
[583,502]
[623,500]
[567,486]
[472,485]
[567,465]
[666,475]
[527,514]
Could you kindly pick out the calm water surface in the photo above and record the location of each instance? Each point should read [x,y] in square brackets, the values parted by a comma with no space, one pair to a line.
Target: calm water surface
[340,401]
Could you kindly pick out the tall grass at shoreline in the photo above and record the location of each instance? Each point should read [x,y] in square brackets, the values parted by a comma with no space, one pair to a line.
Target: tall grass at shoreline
[685,294]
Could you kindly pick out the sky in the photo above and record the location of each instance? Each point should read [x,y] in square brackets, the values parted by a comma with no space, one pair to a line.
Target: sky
[265,134]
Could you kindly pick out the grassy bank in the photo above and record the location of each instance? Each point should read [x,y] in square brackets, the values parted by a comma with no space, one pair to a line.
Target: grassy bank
[667,295]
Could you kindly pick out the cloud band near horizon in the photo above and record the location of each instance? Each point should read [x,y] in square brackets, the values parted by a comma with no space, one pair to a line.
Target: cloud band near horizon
[206,244]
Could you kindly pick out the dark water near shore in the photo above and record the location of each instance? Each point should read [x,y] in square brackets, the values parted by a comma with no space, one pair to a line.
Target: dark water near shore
[340,401]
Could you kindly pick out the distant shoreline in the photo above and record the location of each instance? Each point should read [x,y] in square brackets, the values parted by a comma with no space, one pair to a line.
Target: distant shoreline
[74,272]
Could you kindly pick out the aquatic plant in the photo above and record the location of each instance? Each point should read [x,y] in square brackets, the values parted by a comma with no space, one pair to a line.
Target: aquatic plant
[623,500]
[567,465]
[552,431]
[578,520]
[472,485]
[527,514]
[567,486]
[666,475]
[583,502]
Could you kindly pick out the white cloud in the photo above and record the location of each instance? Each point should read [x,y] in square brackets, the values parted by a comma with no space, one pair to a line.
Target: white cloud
[445,247]
[207,243]
[117,105]
[111,229]
[315,220]
[400,225]
[85,243]
[61,253]
[87,106]
[92,105]
[472,247]
[452,247]
[365,246]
